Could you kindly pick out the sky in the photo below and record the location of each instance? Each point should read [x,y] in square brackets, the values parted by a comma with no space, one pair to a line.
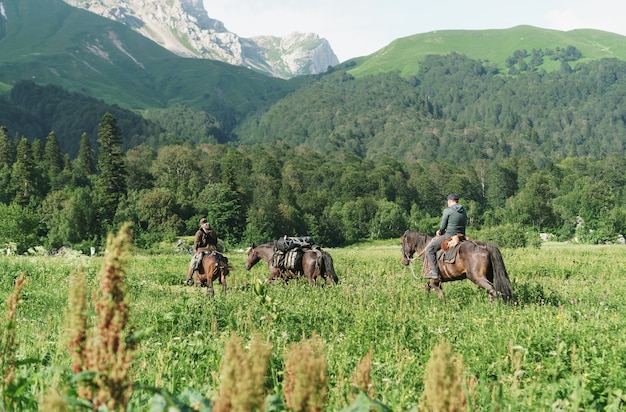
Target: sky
[360,27]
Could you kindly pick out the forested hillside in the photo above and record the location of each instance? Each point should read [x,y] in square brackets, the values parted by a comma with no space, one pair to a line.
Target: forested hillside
[458,110]
[337,157]
[259,192]
[33,111]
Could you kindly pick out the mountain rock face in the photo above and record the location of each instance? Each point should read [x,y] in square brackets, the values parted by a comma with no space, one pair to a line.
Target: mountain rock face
[184,27]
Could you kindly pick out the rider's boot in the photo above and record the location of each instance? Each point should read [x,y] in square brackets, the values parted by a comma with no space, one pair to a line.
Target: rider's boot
[189,280]
[432,274]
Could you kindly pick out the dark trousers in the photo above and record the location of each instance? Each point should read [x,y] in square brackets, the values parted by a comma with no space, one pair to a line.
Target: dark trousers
[432,248]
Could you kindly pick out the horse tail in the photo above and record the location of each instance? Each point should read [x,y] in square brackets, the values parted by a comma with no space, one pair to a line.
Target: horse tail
[329,267]
[500,275]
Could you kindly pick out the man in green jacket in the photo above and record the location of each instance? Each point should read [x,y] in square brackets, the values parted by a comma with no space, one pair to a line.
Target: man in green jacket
[453,222]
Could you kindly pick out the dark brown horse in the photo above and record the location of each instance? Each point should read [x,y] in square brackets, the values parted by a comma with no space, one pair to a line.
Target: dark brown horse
[214,266]
[480,262]
[315,263]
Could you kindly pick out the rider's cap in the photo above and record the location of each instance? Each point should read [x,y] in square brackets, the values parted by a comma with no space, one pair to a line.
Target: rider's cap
[202,221]
[453,196]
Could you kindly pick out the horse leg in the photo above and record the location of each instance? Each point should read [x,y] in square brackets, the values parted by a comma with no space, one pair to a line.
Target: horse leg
[210,292]
[310,275]
[484,283]
[210,276]
[436,284]
[223,280]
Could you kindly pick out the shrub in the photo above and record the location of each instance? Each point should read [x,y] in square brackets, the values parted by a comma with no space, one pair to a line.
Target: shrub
[505,236]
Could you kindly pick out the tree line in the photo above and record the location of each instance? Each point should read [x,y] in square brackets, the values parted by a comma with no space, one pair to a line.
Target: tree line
[259,192]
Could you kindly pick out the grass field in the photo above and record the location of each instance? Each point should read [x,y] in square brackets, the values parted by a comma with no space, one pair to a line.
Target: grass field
[560,345]
[494,46]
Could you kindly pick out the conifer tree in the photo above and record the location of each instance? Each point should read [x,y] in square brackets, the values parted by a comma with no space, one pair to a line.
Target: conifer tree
[23,177]
[85,163]
[52,157]
[53,161]
[7,151]
[7,157]
[111,182]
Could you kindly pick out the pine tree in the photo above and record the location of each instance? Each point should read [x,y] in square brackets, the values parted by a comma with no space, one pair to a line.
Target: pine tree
[7,151]
[7,157]
[53,161]
[85,163]
[52,157]
[111,182]
[23,178]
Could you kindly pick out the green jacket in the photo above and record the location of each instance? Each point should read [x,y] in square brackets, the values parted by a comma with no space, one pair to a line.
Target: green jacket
[454,220]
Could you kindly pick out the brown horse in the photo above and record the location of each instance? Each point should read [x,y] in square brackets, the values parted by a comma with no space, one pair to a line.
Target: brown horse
[214,266]
[315,263]
[480,262]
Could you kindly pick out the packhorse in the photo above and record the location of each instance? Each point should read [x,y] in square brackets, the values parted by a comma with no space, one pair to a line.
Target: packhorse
[481,262]
[312,263]
[213,266]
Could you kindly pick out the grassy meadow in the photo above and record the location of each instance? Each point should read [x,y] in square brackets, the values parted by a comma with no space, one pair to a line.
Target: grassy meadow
[560,345]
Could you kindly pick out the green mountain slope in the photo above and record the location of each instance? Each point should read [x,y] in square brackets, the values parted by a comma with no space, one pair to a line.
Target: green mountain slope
[455,109]
[494,46]
[52,43]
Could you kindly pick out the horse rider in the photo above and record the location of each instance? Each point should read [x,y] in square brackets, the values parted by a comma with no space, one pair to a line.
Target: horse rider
[205,240]
[453,222]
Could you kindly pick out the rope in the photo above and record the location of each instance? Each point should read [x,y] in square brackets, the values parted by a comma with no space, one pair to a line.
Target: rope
[413,270]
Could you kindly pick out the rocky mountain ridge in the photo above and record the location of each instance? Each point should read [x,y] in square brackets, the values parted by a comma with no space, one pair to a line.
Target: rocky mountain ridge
[185,28]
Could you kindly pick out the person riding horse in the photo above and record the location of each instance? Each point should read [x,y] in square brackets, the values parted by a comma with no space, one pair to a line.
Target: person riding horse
[205,240]
[453,222]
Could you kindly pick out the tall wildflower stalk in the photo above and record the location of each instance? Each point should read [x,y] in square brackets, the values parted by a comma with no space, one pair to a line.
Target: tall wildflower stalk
[361,377]
[104,351]
[7,341]
[444,380]
[76,320]
[242,387]
[306,380]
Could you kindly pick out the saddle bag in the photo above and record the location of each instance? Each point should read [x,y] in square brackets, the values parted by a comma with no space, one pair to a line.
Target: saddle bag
[290,260]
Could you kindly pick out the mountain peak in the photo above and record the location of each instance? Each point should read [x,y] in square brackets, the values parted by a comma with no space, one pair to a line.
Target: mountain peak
[185,28]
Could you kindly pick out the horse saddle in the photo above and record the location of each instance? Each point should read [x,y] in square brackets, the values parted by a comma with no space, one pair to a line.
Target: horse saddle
[221,260]
[450,248]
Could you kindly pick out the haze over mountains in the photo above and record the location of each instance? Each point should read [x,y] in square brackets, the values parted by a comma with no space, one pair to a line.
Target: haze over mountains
[184,27]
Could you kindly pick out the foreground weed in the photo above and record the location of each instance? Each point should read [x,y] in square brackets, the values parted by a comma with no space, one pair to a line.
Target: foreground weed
[306,380]
[7,343]
[361,377]
[104,355]
[443,380]
[242,386]
[76,320]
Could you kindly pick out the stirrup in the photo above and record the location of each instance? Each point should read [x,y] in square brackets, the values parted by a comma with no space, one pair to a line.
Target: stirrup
[432,275]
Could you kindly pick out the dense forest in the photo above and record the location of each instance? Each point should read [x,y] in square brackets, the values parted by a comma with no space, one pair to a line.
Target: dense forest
[259,192]
[341,159]
[457,110]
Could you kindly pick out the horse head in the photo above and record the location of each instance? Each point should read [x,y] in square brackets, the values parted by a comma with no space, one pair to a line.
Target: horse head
[407,250]
[413,242]
[253,257]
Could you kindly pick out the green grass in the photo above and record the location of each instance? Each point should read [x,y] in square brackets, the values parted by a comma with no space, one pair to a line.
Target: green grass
[494,46]
[5,89]
[560,344]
